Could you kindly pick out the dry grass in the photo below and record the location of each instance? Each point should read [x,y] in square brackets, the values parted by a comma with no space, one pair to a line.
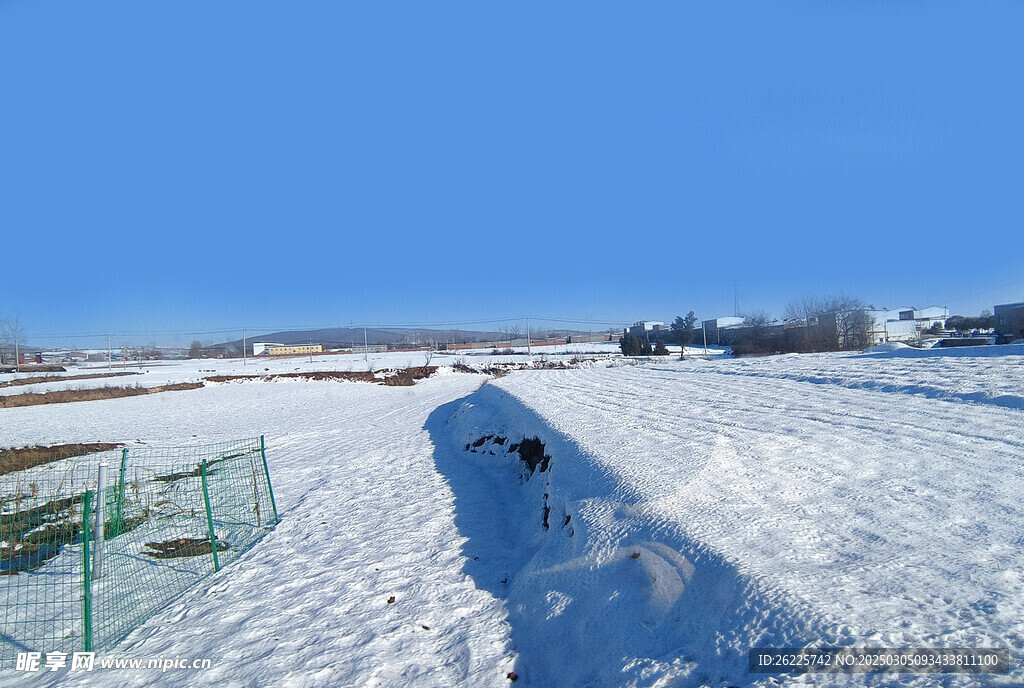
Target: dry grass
[12,460]
[497,370]
[408,376]
[69,395]
[57,378]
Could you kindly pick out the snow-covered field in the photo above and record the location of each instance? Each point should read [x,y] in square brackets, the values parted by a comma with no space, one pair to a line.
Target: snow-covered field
[155,373]
[694,509]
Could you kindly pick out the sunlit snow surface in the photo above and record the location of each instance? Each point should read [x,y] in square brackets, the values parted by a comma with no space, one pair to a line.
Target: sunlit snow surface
[868,499]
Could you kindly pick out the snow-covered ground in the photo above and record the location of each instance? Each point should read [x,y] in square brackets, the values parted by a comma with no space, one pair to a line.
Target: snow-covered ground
[829,515]
[694,509]
[980,374]
[364,517]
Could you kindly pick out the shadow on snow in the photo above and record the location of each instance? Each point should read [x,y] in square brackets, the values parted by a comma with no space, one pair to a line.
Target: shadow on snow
[607,594]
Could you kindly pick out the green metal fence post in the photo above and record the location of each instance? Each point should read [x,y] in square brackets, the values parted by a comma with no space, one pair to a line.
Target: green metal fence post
[120,495]
[209,517]
[87,573]
[266,472]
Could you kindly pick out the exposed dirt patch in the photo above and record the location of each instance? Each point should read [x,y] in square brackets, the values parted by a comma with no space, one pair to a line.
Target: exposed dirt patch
[531,451]
[12,460]
[173,477]
[401,377]
[66,396]
[24,520]
[181,547]
[496,441]
[111,529]
[38,548]
[35,368]
[60,378]
[497,370]
[33,536]
[408,376]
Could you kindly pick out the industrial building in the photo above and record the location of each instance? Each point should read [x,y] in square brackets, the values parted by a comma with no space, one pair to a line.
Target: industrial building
[906,324]
[1010,319]
[272,349]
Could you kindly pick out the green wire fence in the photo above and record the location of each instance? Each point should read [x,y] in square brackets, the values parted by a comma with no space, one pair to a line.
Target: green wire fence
[92,546]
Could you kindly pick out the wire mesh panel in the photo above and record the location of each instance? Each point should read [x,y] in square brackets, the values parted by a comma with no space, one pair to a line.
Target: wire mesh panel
[41,556]
[170,517]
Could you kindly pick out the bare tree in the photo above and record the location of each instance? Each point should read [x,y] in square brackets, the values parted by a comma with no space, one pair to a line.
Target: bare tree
[855,325]
[753,337]
[3,341]
[12,335]
[510,332]
[758,322]
[834,322]
[803,309]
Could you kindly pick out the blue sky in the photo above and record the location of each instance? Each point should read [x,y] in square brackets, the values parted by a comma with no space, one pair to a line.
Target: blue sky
[177,168]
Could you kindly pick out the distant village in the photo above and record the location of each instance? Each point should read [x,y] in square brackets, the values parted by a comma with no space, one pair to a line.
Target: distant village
[130,355]
[843,328]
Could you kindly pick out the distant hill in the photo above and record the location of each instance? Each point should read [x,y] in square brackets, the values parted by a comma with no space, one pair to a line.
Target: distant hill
[341,337]
[344,337]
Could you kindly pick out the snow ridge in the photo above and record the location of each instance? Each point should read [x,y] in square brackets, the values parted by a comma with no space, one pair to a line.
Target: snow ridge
[600,591]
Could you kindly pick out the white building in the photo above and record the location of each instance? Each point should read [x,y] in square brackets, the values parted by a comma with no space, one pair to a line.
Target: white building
[713,328]
[906,324]
[263,347]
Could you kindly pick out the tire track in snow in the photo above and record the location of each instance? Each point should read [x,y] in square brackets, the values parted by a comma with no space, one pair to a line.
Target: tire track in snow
[974,379]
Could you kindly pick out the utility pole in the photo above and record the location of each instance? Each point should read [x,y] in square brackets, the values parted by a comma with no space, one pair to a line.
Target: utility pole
[17,353]
[366,346]
[704,330]
[529,349]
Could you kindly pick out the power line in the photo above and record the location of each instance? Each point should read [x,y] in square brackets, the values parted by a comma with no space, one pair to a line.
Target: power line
[308,327]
